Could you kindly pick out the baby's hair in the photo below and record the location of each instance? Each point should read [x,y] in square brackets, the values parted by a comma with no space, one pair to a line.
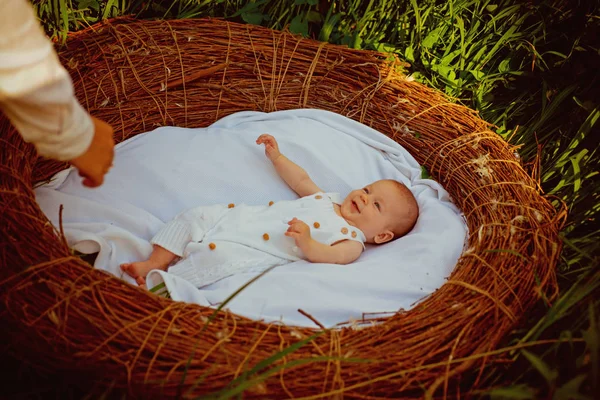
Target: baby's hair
[406,224]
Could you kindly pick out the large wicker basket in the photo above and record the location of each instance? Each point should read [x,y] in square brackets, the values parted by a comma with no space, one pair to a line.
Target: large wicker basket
[60,315]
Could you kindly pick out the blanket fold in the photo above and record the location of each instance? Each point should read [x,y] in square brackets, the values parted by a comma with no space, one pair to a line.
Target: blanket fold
[161,173]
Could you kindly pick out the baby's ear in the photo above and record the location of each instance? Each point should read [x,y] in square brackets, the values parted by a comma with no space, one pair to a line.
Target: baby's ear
[383,237]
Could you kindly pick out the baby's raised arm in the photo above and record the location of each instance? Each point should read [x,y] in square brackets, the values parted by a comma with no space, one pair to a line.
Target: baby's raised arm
[294,175]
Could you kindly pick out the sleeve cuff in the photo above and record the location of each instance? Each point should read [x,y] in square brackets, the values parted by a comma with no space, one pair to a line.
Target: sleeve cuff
[53,121]
[174,236]
[75,138]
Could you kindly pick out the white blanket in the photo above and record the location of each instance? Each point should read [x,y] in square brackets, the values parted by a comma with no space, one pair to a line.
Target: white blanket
[158,174]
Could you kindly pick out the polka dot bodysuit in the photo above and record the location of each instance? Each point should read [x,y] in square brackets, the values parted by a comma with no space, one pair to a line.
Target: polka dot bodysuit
[218,241]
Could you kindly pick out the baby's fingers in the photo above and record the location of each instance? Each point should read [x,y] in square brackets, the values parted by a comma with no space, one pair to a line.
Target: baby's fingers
[264,138]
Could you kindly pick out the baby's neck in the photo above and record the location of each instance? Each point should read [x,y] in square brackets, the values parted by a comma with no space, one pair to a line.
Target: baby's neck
[338,210]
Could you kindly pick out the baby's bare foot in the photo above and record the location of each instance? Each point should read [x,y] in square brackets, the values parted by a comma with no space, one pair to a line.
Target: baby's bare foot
[141,281]
[139,269]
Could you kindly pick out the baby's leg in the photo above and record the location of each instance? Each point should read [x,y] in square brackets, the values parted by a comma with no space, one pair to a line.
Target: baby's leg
[159,259]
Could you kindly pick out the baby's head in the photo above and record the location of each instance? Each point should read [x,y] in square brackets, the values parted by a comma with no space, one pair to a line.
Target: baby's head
[383,210]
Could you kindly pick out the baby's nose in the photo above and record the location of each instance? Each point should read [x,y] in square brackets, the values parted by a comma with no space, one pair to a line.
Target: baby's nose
[364,198]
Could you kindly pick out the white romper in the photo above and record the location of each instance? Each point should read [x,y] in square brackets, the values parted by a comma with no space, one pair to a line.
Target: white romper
[220,240]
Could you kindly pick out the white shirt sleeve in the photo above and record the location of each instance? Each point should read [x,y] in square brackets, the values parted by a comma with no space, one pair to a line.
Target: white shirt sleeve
[36,92]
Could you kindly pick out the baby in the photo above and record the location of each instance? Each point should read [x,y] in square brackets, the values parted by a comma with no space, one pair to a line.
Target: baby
[210,243]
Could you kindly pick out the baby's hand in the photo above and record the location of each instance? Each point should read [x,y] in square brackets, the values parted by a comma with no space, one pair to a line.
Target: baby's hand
[271,146]
[300,232]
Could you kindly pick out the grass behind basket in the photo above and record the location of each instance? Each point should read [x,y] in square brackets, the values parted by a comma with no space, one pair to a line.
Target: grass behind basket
[531,69]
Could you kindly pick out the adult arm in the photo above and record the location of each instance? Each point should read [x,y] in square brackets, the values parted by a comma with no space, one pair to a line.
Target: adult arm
[36,94]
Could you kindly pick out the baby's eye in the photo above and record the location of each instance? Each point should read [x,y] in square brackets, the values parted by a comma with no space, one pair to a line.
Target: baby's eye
[366,190]
[377,205]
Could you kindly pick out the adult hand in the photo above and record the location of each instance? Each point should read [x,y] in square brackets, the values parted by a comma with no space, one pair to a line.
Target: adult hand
[98,158]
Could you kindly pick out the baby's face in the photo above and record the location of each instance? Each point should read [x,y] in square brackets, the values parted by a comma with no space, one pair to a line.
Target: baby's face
[373,208]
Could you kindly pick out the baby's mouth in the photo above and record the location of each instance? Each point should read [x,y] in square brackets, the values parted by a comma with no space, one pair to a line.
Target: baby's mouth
[355,206]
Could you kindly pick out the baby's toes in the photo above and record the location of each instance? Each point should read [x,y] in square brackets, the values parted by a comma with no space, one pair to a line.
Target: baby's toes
[141,280]
[130,270]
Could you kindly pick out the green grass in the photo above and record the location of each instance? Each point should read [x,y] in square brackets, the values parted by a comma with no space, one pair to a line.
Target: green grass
[530,68]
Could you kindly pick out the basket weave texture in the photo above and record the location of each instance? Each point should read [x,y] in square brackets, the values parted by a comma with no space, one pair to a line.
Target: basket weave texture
[59,314]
